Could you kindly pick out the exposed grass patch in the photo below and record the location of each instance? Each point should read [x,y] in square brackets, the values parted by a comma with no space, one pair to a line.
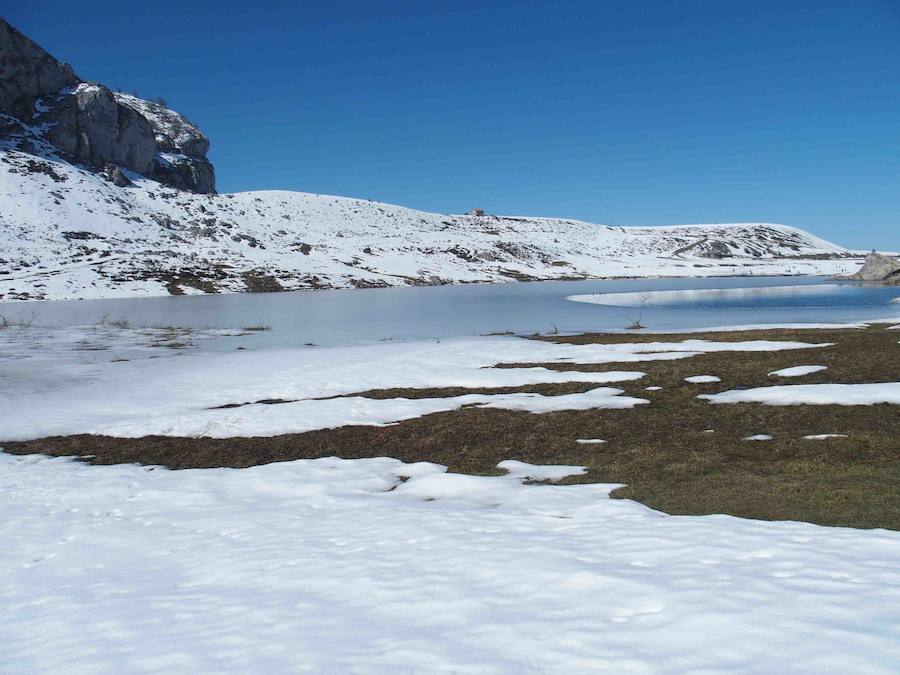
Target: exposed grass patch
[663,452]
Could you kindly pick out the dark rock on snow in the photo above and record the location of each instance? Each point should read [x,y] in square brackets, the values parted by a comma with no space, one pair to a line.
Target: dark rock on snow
[116,176]
[89,124]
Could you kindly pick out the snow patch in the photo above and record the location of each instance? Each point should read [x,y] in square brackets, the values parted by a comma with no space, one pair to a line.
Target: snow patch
[813,394]
[525,471]
[797,371]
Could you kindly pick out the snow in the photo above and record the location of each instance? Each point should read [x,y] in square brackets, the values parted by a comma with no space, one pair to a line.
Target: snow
[797,371]
[60,381]
[142,234]
[526,471]
[822,437]
[758,437]
[702,379]
[338,566]
[589,441]
[652,388]
[813,394]
[308,415]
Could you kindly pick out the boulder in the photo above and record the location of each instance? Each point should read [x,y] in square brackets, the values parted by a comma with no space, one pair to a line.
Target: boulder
[116,176]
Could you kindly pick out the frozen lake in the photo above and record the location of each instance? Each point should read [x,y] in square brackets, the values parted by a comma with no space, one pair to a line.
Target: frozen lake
[353,316]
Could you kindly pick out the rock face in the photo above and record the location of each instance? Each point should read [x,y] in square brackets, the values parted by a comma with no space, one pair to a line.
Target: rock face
[42,99]
[27,72]
[88,125]
[181,147]
[878,267]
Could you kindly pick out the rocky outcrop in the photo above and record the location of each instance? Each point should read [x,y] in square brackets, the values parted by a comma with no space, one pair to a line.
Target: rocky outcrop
[87,124]
[181,147]
[27,73]
[878,267]
[43,99]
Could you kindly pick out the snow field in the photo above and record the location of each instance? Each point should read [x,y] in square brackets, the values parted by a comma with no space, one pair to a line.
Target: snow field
[337,566]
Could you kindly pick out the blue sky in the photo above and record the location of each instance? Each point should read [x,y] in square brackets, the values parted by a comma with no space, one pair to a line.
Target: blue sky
[614,112]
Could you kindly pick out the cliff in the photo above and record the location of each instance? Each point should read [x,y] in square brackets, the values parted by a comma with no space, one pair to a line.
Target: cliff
[45,108]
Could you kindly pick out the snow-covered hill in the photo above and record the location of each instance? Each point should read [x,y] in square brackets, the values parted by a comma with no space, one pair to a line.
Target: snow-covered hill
[104,194]
[66,232]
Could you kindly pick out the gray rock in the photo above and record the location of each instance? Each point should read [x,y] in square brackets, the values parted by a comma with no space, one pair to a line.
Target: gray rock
[186,173]
[116,176]
[27,73]
[174,132]
[90,125]
[878,267]
[184,147]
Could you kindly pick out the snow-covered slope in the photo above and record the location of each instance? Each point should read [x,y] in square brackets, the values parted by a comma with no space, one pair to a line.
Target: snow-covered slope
[69,233]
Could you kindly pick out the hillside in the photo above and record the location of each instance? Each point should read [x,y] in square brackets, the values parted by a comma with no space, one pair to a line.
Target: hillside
[104,194]
[66,232]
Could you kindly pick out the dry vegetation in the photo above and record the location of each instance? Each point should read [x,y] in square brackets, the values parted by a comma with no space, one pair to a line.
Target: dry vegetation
[662,451]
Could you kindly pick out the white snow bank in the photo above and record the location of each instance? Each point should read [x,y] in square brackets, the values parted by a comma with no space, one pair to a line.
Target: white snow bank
[797,371]
[702,379]
[589,441]
[813,394]
[822,437]
[758,437]
[320,566]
